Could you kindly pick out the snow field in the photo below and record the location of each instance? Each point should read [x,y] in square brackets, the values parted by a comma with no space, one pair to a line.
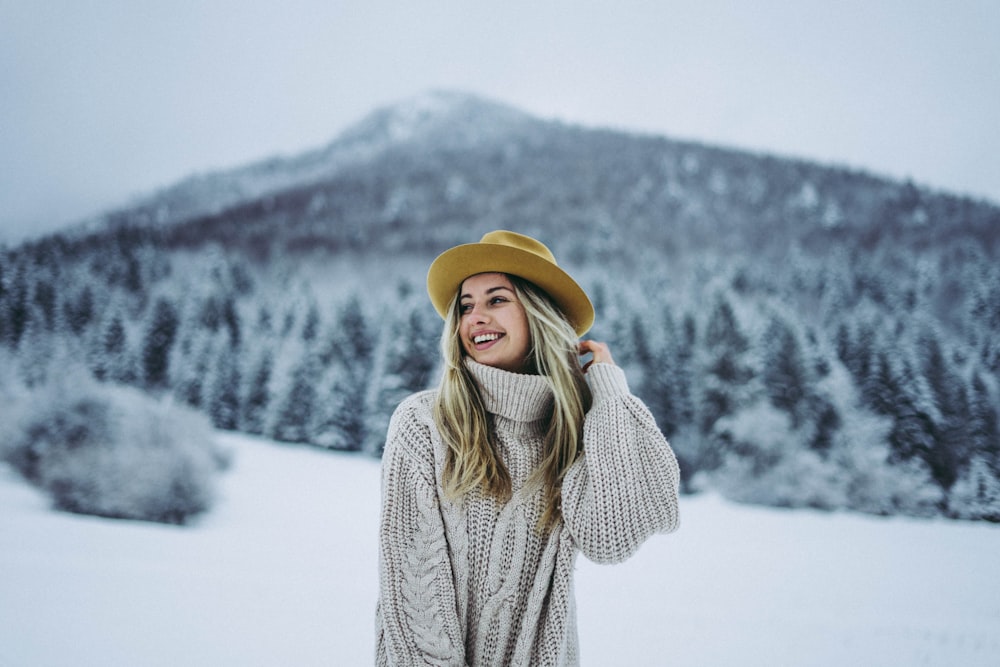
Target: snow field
[748,586]
[283,572]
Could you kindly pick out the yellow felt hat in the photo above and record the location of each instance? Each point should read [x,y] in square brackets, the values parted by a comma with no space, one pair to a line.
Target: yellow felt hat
[518,255]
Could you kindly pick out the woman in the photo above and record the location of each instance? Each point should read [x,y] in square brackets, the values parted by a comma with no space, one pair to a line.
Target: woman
[521,458]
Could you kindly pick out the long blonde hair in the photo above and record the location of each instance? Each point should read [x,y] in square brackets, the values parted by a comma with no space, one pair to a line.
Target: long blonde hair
[472,461]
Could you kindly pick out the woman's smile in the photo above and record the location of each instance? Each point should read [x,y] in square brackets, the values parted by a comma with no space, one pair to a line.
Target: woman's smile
[484,341]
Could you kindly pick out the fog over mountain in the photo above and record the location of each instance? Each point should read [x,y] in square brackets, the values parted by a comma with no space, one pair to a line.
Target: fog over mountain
[806,335]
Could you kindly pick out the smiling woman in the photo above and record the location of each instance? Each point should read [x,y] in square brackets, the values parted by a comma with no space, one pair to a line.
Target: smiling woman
[520,459]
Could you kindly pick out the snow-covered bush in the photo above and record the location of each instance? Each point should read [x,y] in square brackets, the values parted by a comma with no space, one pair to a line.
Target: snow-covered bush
[768,466]
[112,451]
[874,484]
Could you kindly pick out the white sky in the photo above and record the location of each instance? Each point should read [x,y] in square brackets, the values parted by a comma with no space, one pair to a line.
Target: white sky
[102,100]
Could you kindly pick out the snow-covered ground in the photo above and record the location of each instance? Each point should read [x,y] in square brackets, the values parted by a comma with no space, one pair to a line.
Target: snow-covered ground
[283,572]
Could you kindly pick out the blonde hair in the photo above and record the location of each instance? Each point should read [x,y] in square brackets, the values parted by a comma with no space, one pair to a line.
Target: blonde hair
[472,461]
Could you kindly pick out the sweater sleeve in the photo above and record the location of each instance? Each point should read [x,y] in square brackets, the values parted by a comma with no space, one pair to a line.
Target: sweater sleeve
[417,618]
[624,487]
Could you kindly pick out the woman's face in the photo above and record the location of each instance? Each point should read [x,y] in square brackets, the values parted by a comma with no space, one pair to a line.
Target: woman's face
[493,325]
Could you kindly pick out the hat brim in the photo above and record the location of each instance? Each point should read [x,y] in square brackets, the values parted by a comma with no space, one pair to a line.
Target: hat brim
[453,266]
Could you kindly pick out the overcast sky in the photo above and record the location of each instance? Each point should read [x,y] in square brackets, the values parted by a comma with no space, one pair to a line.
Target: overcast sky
[103,100]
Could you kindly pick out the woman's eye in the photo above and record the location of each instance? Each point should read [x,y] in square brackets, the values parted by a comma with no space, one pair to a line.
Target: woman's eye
[497,299]
[465,307]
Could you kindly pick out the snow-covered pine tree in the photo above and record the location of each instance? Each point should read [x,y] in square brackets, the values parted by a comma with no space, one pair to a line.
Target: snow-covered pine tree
[666,379]
[192,365]
[856,345]
[945,391]
[407,364]
[976,492]
[160,333]
[45,299]
[109,348]
[726,372]
[983,426]
[293,417]
[257,394]
[784,372]
[15,311]
[224,387]
[78,310]
[340,421]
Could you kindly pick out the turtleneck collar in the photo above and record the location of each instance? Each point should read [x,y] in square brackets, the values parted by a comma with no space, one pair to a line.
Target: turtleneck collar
[514,396]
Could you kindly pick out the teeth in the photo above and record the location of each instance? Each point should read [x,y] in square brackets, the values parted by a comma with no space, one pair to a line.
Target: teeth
[482,338]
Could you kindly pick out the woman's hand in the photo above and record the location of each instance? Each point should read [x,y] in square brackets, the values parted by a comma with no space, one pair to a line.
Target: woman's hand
[602,355]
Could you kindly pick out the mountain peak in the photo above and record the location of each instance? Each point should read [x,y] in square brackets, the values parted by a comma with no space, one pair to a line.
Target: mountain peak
[409,117]
[441,116]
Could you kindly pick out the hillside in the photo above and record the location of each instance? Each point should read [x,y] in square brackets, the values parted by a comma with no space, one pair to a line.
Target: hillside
[806,335]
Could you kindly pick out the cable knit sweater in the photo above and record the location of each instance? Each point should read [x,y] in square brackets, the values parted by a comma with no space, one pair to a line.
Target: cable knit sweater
[473,582]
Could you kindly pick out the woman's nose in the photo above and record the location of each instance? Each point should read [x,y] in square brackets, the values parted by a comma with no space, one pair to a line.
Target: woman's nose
[478,314]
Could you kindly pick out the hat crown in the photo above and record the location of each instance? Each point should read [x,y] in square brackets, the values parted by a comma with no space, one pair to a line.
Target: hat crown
[521,242]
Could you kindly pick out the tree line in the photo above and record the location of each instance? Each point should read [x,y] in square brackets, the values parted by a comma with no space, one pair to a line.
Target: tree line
[861,382]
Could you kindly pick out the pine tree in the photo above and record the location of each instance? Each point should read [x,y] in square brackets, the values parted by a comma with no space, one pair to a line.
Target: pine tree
[45,303]
[79,312]
[665,386]
[157,343]
[258,395]
[16,312]
[295,409]
[828,421]
[110,346]
[727,374]
[983,426]
[784,373]
[342,417]
[982,312]
[820,406]
[944,401]
[407,363]
[231,321]
[133,279]
[881,388]
[191,370]
[223,393]
[893,390]
[725,368]
[339,420]
[856,347]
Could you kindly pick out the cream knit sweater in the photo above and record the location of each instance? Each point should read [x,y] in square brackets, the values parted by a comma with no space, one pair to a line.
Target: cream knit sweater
[473,583]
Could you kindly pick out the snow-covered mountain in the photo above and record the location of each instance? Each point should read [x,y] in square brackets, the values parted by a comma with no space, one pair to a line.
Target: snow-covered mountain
[806,335]
[447,166]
